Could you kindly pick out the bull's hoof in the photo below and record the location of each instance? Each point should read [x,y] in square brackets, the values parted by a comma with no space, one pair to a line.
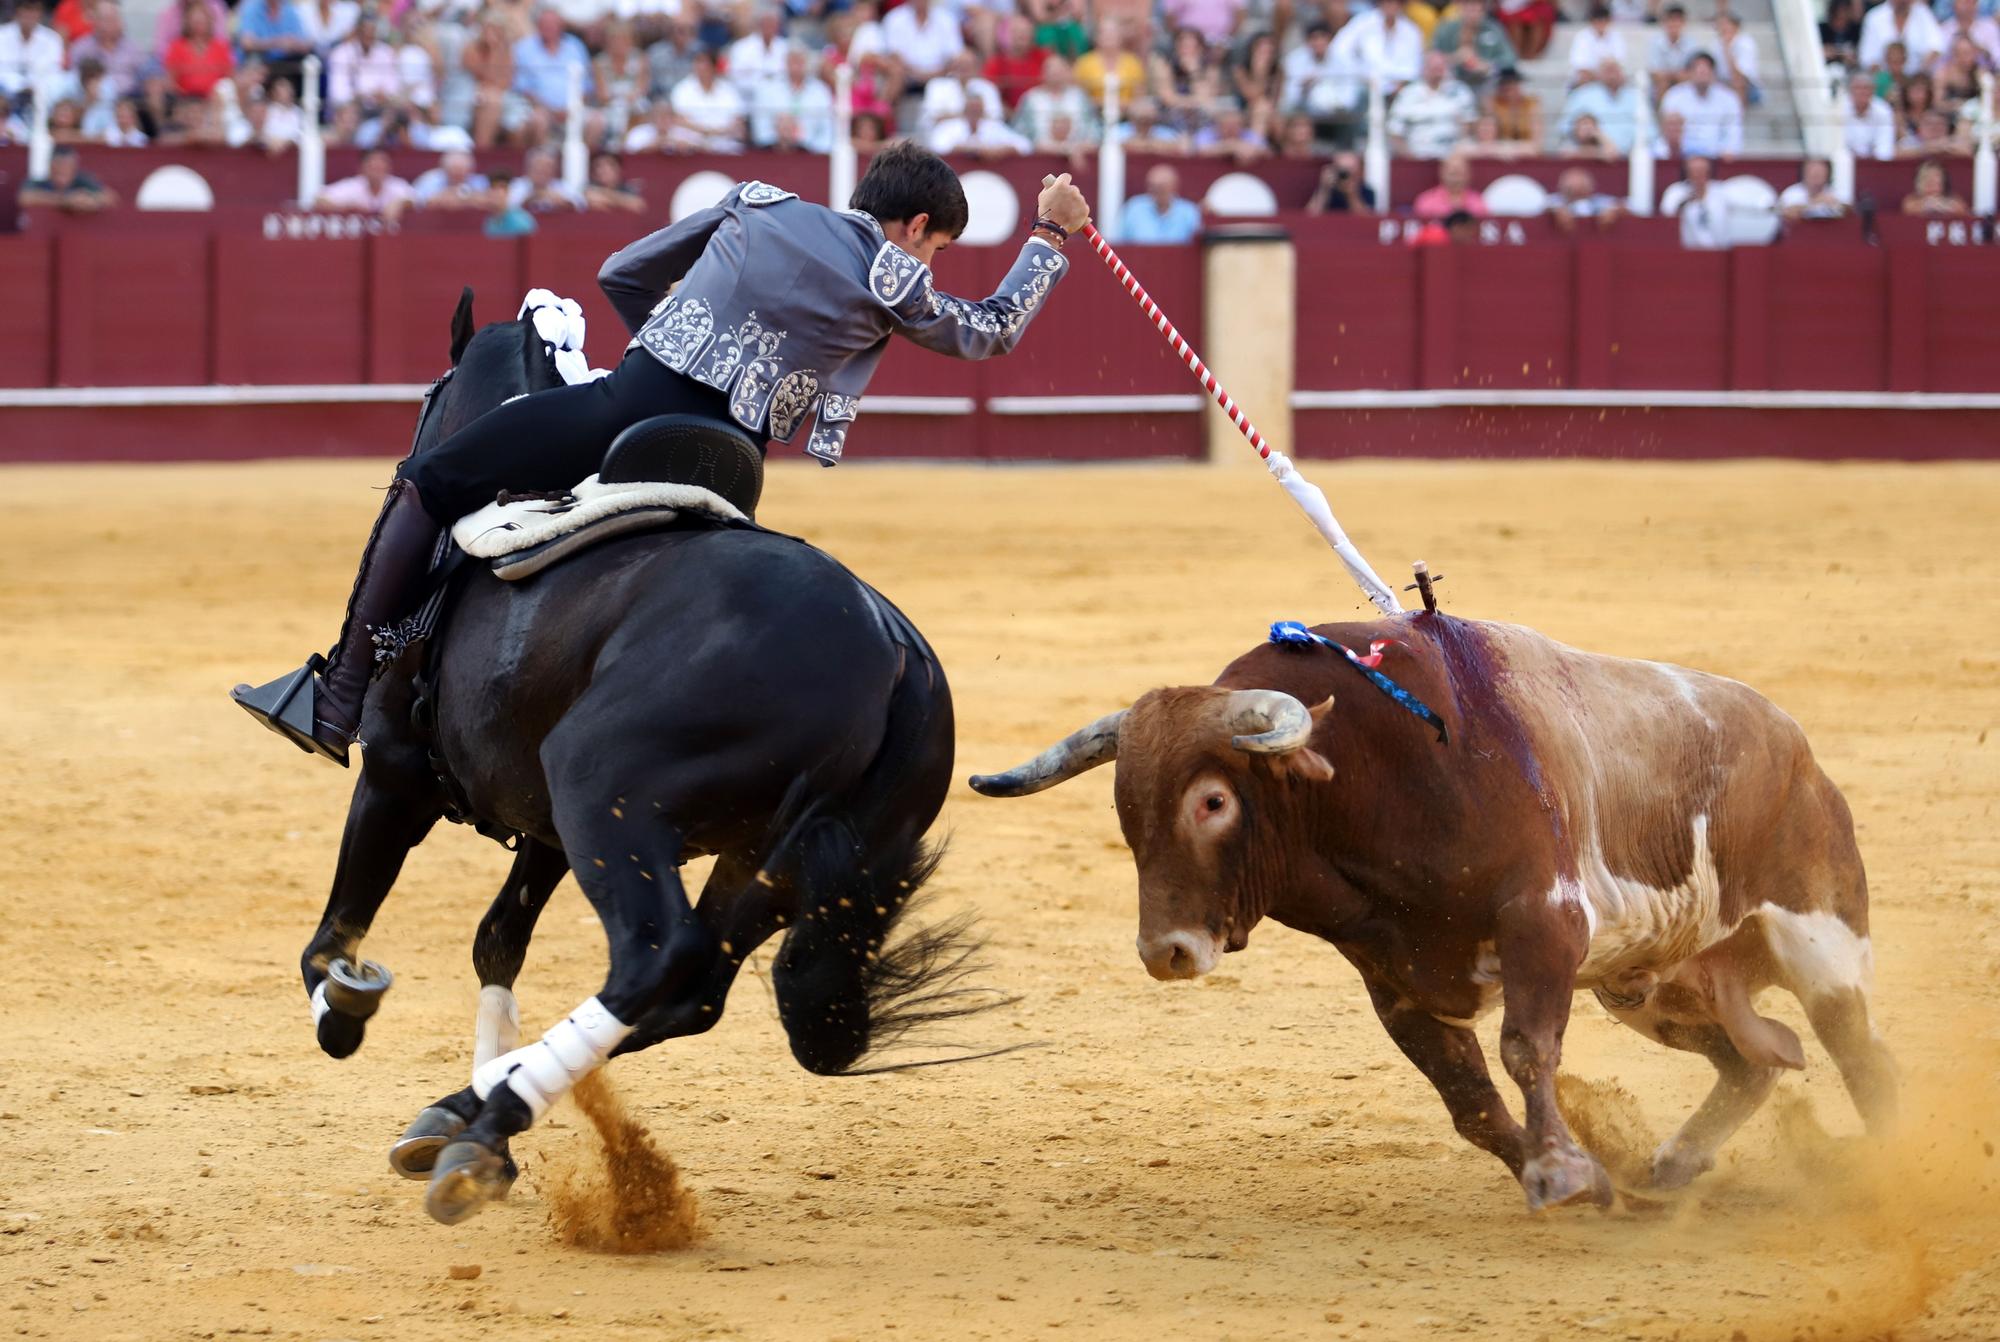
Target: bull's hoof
[415,1153]
[1562,1176]
[466,1177]
[340,1034]
[356,990]
[1677,1166]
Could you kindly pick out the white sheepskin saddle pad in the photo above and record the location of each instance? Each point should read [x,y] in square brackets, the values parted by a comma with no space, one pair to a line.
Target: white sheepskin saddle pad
[524,536]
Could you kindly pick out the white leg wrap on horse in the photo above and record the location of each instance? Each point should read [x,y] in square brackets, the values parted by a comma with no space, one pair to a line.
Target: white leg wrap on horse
[543,1072]
[319,1006]
[497,1029]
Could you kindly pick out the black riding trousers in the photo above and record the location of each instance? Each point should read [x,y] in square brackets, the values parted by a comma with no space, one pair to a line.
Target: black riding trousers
[549,440]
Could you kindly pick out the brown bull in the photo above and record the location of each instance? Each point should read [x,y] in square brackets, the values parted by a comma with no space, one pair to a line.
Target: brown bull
[1661,836]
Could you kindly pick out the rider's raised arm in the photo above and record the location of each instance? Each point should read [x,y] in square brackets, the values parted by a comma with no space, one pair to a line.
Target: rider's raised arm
[636,278]
[967,329]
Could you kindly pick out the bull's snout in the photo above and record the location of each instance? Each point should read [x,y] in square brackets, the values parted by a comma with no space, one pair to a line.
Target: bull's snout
[1180,954]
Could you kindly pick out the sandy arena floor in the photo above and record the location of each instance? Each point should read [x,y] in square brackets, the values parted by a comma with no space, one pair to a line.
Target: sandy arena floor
[1244,1157]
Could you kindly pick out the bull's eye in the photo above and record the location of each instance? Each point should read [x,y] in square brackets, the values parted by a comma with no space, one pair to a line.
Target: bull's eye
[1214,802]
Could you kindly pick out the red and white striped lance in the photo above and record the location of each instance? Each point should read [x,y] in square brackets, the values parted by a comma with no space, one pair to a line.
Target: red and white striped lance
[1303,492]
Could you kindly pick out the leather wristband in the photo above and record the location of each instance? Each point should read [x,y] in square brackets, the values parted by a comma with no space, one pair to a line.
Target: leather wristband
[1055,231]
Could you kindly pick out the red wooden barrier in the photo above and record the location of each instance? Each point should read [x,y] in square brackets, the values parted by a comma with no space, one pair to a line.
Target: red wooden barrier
[27,318]
[289,313]
[135,310]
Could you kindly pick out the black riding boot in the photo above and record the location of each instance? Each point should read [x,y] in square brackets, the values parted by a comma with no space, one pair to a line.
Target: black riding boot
[318,707]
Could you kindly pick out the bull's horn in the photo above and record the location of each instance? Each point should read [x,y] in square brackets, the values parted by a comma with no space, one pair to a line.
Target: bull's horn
[1094,745]
[1268,722]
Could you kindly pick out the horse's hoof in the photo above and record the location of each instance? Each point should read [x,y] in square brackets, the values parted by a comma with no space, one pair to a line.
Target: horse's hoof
[1559,1177]
[339,1034]
[415,1153]
[1677,1167]
[356,991]
[467,1176]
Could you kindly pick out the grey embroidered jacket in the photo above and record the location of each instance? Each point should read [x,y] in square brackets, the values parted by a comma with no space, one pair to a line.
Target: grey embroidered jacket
[785,306]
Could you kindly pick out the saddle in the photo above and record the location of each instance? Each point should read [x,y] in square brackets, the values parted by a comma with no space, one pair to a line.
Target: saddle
[671,470]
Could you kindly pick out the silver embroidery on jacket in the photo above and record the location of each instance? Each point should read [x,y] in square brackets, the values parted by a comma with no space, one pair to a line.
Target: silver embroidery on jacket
[678,332]
[750,342]
[753,389]
[894,274]
[1004,315]
[762,193]
[790,402]
[829,434]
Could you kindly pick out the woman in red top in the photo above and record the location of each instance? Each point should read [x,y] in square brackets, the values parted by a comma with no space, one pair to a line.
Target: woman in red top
[196,61]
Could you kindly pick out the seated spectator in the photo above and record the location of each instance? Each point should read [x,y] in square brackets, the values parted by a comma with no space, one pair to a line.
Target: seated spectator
[1610,102]
[1427,118]
[1812,196]
[1895,73]
[1066,140]
[1161,215]
[623,76]
[272,31]
[197,60]
[1059,29]
[1594,44]
[1840,36]
[1970,23]
[374,190]
[1902,21]
[1476,45]
[709,108]
[1517,113]
[1112,53]
[68,187]
[30,52]
[1576,197]
[66,122]
[330,21]
[1958,79]
[1584,138]
[1711,115]
[1314,81]
[1018,67]
[1177,75]
[1215,20]
[126,131]
[1057,95]
[540,188]
[507,220]
[974,132]
[1230,135]
[364,70]
[1736,59]
[1382,44]
[1486,142]
[867,133]
[1258,82]
[1932,196]
[1452,193]
[607,188]
[759,57]
[794,112]
[944,96]
[660,132]
[923,37]
[284,121]
[124,61]
[1919,98]
[1867,124]
[1529,25]
[172,21]
[671,59]
[1702,208]
[543,61]
[1340,189]
[1296,138]
[1143,132]
[453,184]
[488,60]
[1932,137]
[1670,50]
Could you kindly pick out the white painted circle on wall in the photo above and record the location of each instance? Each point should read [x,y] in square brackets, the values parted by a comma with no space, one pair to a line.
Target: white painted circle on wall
[1515,196]
[175,188]
[697,192]
[1238,195]
[995,208]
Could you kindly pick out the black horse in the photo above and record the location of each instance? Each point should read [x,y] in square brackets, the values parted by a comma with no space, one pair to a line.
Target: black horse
[711,689]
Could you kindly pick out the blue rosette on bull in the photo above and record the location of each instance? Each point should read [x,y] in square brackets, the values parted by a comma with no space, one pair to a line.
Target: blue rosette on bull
[1294,634]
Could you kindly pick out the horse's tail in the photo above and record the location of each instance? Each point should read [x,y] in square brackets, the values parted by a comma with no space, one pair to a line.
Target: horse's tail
[848,985]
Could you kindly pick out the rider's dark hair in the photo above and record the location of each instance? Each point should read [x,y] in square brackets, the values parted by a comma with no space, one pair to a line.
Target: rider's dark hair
[905,180]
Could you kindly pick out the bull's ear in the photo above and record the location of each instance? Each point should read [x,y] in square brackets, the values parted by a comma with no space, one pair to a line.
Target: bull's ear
[461,325]
[1306,764]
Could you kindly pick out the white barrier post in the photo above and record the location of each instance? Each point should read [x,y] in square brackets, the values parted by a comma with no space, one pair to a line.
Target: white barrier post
[312,145]
[1639,195]
[1375,159]
[575,158]
[41,144]
[840,155]
[1985,178]
[1110,159]
[1841,179]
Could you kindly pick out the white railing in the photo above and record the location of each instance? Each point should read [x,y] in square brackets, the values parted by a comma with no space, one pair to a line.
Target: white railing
[575,155]
[1110,159]
[1639,195]
[312,145]
[1985,180]
[1375,158]
[41,144]
[1805,70]
[840,155]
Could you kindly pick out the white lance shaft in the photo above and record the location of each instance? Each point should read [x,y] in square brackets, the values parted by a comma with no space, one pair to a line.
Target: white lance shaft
[1304,493]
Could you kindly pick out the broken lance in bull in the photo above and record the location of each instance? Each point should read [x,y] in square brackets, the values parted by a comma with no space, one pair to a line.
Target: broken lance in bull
[1658,835]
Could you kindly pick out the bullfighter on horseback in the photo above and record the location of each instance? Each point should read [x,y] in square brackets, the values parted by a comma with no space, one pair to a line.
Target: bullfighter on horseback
[780,316]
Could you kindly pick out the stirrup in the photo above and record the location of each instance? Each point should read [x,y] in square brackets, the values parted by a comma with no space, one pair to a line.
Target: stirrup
[285,705]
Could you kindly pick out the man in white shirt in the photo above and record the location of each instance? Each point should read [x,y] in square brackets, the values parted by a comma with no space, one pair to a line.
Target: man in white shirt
[1813,196]
[709,107]
[1058,95]
[1736,59]
[1900,21]
[1312,75]
[1381,44]
[944,96]
[1611,101]
[373,190]
[364,69]
[1672,47]
[1593,45]
[29,52]
[1711,116]
[924,37]
[795,111]
[1701,206]
[1966,21]
[1867,124]
[1430,116]
[977,134]
[759,58]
